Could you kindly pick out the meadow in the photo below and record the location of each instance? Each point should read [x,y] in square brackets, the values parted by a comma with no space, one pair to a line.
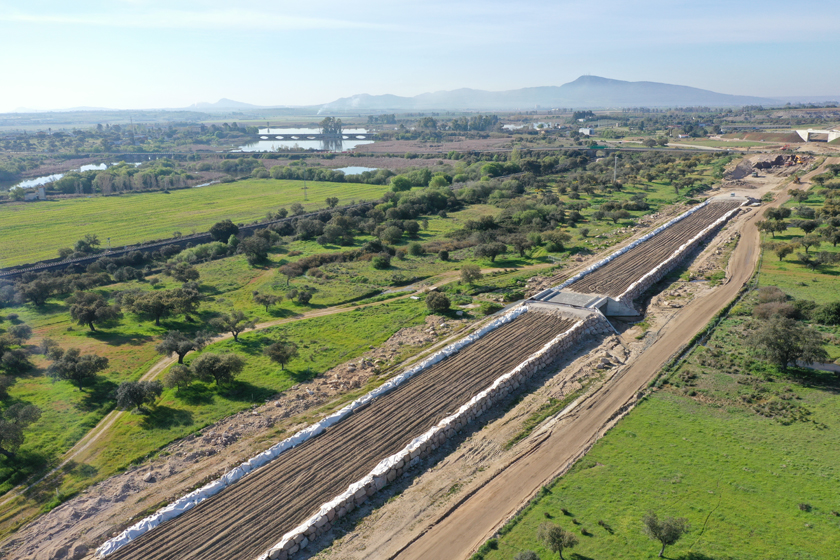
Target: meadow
[746,452]
[35,231]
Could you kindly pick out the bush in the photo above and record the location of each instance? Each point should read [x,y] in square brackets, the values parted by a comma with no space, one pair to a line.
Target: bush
[767,310]
[415,250]
[490,307]
[828,314]
[443,255]
[381,261]
[767,294]
[437,302]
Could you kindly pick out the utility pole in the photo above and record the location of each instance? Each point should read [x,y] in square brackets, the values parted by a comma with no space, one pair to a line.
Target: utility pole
[615,167]
[304,185]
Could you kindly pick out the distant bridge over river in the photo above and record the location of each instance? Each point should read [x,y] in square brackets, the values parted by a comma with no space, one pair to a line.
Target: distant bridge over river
[333,137]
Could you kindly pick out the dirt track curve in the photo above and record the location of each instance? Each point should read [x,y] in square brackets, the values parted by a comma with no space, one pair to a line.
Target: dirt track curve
[457,533]
[246,519]
[615,277]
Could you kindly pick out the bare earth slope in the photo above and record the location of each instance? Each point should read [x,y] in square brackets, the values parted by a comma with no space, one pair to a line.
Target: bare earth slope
[252,515]
[616,276]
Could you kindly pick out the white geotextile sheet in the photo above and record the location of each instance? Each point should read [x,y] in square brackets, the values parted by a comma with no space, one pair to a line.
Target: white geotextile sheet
[382,468]
[623,250]
[194,498]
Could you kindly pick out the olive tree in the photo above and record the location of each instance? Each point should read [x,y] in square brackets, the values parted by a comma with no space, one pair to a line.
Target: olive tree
[176,342]
[221,368]
[73,367]
[235,323]
[281,352]
[667,531]
[90,308]
[555,538]
[13,421]
[134,394]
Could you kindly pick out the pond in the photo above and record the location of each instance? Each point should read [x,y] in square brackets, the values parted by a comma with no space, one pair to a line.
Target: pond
[43,180]
[355,170]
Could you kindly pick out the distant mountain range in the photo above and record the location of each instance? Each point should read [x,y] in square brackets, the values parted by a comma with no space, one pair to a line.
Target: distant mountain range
[585,92]
[221,105]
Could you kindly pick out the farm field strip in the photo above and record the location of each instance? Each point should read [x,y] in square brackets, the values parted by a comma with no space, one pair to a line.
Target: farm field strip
[616,276]
[128,219]
[249,517]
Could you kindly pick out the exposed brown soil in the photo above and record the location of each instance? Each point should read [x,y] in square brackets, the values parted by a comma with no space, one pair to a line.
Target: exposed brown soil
[617,275]
[415,146]
[249,517]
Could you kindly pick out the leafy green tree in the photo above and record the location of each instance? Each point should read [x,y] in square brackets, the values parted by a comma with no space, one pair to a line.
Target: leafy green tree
[179,376]
[555,538]
[87,244]
[13,421]
[470,273]
[292,270]
[282,352]
[783,341]
[176,342]
[809,241]
[391,234]
[90,308]
[490,250]
[255,249]
[79,370]
[267,300]
[135,394]
[520,242]
[331,201]
[234,322]
[221,231]
[400,183]
[437,302]
[182,272]
[222,368]
[667,531]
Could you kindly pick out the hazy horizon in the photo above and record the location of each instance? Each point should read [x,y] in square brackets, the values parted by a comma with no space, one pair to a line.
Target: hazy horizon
[147,54]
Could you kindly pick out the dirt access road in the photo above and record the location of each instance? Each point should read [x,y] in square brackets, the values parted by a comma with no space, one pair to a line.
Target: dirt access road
[458,532]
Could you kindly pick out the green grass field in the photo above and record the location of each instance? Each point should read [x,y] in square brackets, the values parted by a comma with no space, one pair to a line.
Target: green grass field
[699,449]
[35,231]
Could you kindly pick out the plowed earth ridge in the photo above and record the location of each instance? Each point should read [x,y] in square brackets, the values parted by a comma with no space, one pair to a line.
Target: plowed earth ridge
[252,515]
[616,276]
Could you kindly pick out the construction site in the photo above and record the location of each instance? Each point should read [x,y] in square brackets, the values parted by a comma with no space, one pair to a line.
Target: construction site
[279,502]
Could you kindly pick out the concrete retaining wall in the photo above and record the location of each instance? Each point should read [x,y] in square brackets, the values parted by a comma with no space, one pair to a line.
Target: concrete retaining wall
[194,498]
[656,274]
[623,250]
[394,466]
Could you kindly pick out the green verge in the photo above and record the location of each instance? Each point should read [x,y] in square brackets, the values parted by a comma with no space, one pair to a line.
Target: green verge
[138,217]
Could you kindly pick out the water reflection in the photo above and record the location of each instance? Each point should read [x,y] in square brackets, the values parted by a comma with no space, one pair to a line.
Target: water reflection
[296,139]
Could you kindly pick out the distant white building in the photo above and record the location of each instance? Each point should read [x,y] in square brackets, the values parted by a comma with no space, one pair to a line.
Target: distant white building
[40,194]
[586,131]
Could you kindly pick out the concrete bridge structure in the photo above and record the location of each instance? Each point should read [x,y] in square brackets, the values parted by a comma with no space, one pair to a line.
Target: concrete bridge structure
[342,136]
[806,134]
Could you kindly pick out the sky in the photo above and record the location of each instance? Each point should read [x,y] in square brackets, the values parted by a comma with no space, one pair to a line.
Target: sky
[135,54]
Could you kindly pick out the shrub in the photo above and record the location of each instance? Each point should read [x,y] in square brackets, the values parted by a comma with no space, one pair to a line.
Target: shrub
[767,294]
[415,250]
[381,261]
[767,310]
[437,302]
[828,314]
[443,255]
[490,307]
